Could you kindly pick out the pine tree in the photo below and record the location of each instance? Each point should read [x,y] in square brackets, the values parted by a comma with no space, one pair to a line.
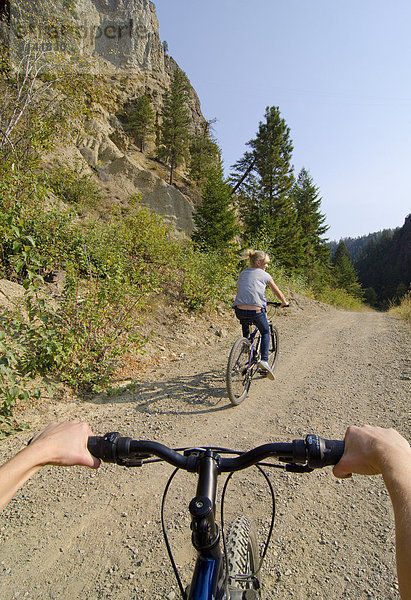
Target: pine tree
[157,132]
[175,126]
[272,151]
[139,120]
[264,177]
[307,203]
[344,273]
[204,154]
[215,218]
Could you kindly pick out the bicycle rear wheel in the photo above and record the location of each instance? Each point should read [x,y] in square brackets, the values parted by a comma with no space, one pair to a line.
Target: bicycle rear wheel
[243,557]
[237,375]
[274,347]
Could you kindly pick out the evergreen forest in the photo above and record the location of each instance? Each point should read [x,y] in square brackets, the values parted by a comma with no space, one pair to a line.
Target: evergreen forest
[382,262]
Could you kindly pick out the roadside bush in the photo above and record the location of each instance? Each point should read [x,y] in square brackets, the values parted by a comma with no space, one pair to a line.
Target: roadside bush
[28,350]
[78,344]
[285,280]
[96,325]
[111,267]
[207,278]
[341,298]
[19,197]
[74,186]
[404,309]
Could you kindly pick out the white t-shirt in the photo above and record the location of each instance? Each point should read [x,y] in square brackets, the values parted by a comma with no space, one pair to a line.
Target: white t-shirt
[251,286]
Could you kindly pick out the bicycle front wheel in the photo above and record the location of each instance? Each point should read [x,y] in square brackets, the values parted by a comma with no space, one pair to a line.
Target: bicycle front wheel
[237,376]
[274,347]
[243,556]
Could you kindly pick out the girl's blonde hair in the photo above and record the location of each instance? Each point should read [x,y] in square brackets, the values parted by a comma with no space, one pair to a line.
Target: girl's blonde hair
[255,256]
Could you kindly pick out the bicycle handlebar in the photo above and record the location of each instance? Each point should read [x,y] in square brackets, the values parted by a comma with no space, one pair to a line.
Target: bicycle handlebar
[276,304]
[305,455]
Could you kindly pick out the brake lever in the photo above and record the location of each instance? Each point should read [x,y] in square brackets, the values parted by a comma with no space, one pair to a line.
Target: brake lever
[132,462]
[294,468]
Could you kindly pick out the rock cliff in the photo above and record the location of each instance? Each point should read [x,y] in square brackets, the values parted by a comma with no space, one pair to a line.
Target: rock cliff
[120,39]
[125,33]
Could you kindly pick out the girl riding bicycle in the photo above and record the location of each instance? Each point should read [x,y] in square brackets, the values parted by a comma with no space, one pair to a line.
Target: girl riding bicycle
[250,302]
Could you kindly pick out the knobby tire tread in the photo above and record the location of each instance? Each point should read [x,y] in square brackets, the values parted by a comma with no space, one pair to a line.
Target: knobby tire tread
[273,355]
[242,552]
[233,376]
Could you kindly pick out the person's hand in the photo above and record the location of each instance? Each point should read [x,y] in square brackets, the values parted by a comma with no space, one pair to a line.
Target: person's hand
[64,444]
[371,450]
[285,305]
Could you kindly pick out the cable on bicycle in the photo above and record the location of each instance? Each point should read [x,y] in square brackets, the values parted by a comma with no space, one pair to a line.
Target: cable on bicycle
[165,536]
[270,531]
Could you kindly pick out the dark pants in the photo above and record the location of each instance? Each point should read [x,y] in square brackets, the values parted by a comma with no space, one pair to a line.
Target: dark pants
[259,319]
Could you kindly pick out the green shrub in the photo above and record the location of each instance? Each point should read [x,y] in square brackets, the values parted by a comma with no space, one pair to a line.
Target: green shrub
[285,280]
[22,198]
[96,328]
[74,186]
[207,278]
[341,298]
[27,350]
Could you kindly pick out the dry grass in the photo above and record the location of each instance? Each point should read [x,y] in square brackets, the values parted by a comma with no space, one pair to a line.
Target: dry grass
[403,311]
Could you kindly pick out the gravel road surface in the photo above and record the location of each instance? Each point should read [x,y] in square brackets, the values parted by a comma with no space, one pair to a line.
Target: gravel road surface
[73,534]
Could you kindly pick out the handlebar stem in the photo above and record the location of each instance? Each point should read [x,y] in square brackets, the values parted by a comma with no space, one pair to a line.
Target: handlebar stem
[205,534]
[207,480]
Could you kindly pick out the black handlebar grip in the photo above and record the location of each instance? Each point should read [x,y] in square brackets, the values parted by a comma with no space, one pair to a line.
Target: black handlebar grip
[321,452]
[334,449]
[104,447]
[94,445]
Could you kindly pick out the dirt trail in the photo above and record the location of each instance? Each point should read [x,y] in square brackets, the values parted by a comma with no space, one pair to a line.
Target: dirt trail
[73,533]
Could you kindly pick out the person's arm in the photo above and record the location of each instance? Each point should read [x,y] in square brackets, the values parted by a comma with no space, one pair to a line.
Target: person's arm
[62,444]
[278,293]
[373,450]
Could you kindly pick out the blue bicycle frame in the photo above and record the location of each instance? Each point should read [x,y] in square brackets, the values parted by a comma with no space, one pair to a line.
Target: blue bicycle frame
[208,578]
[253,350]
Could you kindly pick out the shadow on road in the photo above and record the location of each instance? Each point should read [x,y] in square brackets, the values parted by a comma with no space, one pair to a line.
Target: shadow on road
[198,393]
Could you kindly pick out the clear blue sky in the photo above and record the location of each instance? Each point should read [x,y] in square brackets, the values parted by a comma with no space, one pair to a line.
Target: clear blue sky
[340,73]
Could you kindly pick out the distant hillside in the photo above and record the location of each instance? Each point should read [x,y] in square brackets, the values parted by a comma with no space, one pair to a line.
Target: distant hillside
[382,261]
[385,264]
[356,245]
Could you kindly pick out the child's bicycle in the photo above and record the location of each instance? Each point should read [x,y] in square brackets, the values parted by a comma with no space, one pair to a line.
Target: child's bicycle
[227,566]
[243,361]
